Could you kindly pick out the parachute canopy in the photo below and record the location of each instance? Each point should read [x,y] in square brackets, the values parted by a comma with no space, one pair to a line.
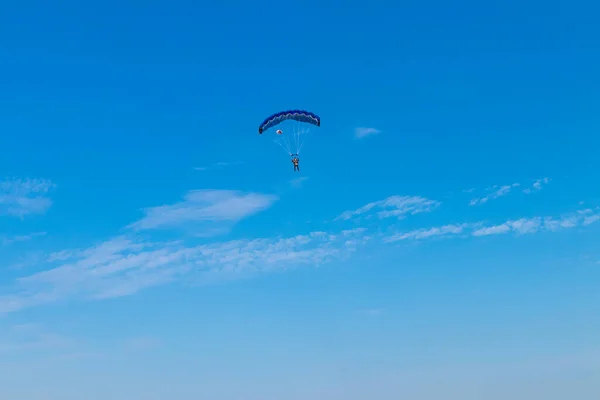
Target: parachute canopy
[296,115]
[293,131]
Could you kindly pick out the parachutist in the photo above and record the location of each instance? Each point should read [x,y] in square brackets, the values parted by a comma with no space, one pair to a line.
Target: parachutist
[289,139]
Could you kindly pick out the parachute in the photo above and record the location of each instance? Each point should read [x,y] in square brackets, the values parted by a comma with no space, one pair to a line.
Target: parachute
[293,130]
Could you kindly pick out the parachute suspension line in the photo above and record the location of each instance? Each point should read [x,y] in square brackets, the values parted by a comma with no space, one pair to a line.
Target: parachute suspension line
[284,141]
[279,140]
[286,149]
[300,148]
[297,136]
[287,141]
[302,143]
[293,135]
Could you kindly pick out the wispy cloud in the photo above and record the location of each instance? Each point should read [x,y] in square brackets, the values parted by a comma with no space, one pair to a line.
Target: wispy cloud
[298,182]
[537,185]
[20,238]
[360,133]
[22,197]
[426,233]
[205,206]
[132,262]
[393,206]
[524,226]
[123,266]
[496,192]
[521,226]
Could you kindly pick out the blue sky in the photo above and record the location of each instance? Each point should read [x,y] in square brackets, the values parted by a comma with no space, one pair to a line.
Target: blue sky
[440,241]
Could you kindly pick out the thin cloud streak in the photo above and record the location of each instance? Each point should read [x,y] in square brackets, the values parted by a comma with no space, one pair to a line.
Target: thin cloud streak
[6,241]
[23,197]
[537,185]
[522,226]
[361,133]
[393,206]
[129,263]
[123,266]
[497,191]
[426,233]
[205,206]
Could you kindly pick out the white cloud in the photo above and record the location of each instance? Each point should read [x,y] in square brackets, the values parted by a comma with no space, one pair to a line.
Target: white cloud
[355,237]
[537,185]
[520,226]
[129,263]
[526,225]
[497,191]
[298,182]
[492,230]
[427,233]
[532,225]
[22,197]
[360,133]
[500,191]
[205,206]
[123,266]
[393,206]
[567,222]
[355,231]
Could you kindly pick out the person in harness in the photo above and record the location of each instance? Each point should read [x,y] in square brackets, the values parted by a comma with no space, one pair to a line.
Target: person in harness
[295,161]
